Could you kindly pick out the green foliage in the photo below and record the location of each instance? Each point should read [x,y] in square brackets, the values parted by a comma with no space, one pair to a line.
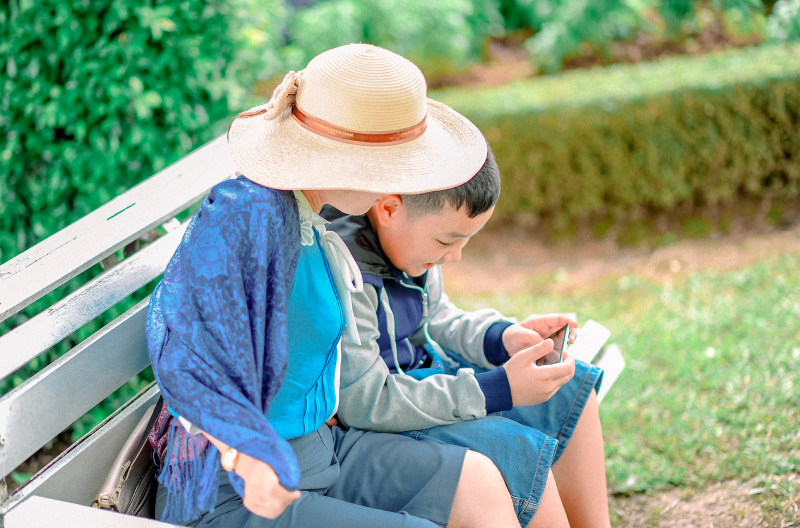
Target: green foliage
[685,18]
[568,30]
[110,404]
[742,17]
[526,14]
[605,144]
[438,36]
[571,27]
[783,24]
[676,14]
[96,96]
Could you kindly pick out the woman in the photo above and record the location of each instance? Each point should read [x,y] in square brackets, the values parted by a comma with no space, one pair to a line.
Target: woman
[244,329]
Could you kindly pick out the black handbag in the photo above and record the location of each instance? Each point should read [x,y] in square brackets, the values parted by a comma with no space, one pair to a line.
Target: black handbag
[131,485]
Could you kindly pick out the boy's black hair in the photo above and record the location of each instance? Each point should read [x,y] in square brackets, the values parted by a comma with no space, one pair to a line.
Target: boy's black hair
[478,194]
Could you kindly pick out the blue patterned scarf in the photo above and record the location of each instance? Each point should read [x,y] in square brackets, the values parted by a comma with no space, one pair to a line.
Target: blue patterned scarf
[217,335]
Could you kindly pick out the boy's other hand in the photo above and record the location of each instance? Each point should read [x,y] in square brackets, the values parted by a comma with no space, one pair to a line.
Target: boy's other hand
[534,329]
[532,384]
[516,337]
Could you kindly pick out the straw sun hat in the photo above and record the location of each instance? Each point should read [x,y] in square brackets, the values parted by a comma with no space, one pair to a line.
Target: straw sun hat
[356,118]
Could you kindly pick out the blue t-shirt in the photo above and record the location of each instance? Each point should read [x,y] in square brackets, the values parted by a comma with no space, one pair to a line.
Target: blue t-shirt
[308,396]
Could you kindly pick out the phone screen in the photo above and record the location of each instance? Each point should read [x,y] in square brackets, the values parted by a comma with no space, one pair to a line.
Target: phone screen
[560,339]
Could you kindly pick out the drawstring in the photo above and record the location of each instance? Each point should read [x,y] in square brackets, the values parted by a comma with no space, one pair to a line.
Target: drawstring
[437,349]
[434,345]
[346,276]
[387,308]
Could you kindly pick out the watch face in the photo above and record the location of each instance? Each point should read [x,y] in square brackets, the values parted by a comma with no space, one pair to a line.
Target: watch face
[228,459]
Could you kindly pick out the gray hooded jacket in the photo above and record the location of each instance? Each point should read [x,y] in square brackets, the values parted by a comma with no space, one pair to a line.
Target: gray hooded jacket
[375,398]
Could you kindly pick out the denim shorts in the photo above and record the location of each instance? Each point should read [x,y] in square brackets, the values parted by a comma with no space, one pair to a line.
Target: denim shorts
[525,441]
[354,479]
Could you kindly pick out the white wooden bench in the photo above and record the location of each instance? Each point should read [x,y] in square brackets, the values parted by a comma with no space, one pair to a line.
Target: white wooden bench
[38,410]
[34,413]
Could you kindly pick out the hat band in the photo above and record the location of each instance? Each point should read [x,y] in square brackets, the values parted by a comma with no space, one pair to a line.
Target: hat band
[331,131]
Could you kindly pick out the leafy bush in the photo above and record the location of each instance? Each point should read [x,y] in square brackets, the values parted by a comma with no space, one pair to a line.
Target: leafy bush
[571,27]
[96,96]
[608,143]
[437,36]
[742,17]
[783,24]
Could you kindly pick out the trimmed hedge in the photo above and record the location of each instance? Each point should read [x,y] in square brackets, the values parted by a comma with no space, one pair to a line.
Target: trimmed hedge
[596,147]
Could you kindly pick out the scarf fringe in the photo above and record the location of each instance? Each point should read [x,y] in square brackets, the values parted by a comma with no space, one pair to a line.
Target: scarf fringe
[189,473]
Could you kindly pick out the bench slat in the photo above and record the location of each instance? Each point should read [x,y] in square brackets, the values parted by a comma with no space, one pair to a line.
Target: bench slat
[76,476]
[43,406]
[41,332]
[75,248]
[39,511]
[591,337]
[612,363]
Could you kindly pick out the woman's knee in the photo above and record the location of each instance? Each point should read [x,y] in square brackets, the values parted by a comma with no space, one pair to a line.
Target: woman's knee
[481,468]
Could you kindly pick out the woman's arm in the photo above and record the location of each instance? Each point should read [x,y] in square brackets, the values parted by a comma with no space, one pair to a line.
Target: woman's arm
[217,321]
[263,493]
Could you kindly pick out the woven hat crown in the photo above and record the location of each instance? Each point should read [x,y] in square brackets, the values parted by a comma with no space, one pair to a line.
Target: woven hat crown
[357,117]
[387,90]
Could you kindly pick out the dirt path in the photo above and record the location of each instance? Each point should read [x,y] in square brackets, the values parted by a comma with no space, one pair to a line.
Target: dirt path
[722,505]
[506,261]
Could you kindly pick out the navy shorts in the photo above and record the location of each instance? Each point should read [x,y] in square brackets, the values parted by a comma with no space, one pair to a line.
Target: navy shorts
[353,479]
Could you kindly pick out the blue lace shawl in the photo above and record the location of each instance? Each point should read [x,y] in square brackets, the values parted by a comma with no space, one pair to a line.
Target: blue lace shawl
[217,335]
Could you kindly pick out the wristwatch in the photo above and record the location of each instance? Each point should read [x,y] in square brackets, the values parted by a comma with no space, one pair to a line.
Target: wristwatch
[228,459]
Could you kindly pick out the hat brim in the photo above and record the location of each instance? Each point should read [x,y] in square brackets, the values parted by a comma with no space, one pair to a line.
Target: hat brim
[283,154]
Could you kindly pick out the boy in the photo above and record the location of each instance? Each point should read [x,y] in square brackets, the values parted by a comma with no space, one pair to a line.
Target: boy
[524,417]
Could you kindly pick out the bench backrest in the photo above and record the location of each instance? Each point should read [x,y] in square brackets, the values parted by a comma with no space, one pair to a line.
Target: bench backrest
[37,411]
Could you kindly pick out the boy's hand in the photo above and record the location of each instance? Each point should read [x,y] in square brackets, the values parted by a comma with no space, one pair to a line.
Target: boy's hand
[531,384]
[516,337]
[534,329]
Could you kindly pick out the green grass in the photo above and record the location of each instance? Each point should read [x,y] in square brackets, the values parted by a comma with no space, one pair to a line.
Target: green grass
[711,390]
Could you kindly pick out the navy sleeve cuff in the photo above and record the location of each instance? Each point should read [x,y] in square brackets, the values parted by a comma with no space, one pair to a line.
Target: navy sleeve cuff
[496,389]
[493,347]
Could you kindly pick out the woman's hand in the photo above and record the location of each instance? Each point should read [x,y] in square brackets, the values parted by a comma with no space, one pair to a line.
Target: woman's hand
[263,493]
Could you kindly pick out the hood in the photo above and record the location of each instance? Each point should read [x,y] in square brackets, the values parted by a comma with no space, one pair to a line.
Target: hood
[362,241]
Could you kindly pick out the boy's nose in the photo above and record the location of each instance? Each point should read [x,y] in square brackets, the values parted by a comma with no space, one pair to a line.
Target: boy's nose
[454,255]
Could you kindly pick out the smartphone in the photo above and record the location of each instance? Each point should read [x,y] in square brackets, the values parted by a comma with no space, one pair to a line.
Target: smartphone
[560,341]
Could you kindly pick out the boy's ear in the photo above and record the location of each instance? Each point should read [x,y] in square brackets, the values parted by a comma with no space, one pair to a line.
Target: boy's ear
[387,208]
